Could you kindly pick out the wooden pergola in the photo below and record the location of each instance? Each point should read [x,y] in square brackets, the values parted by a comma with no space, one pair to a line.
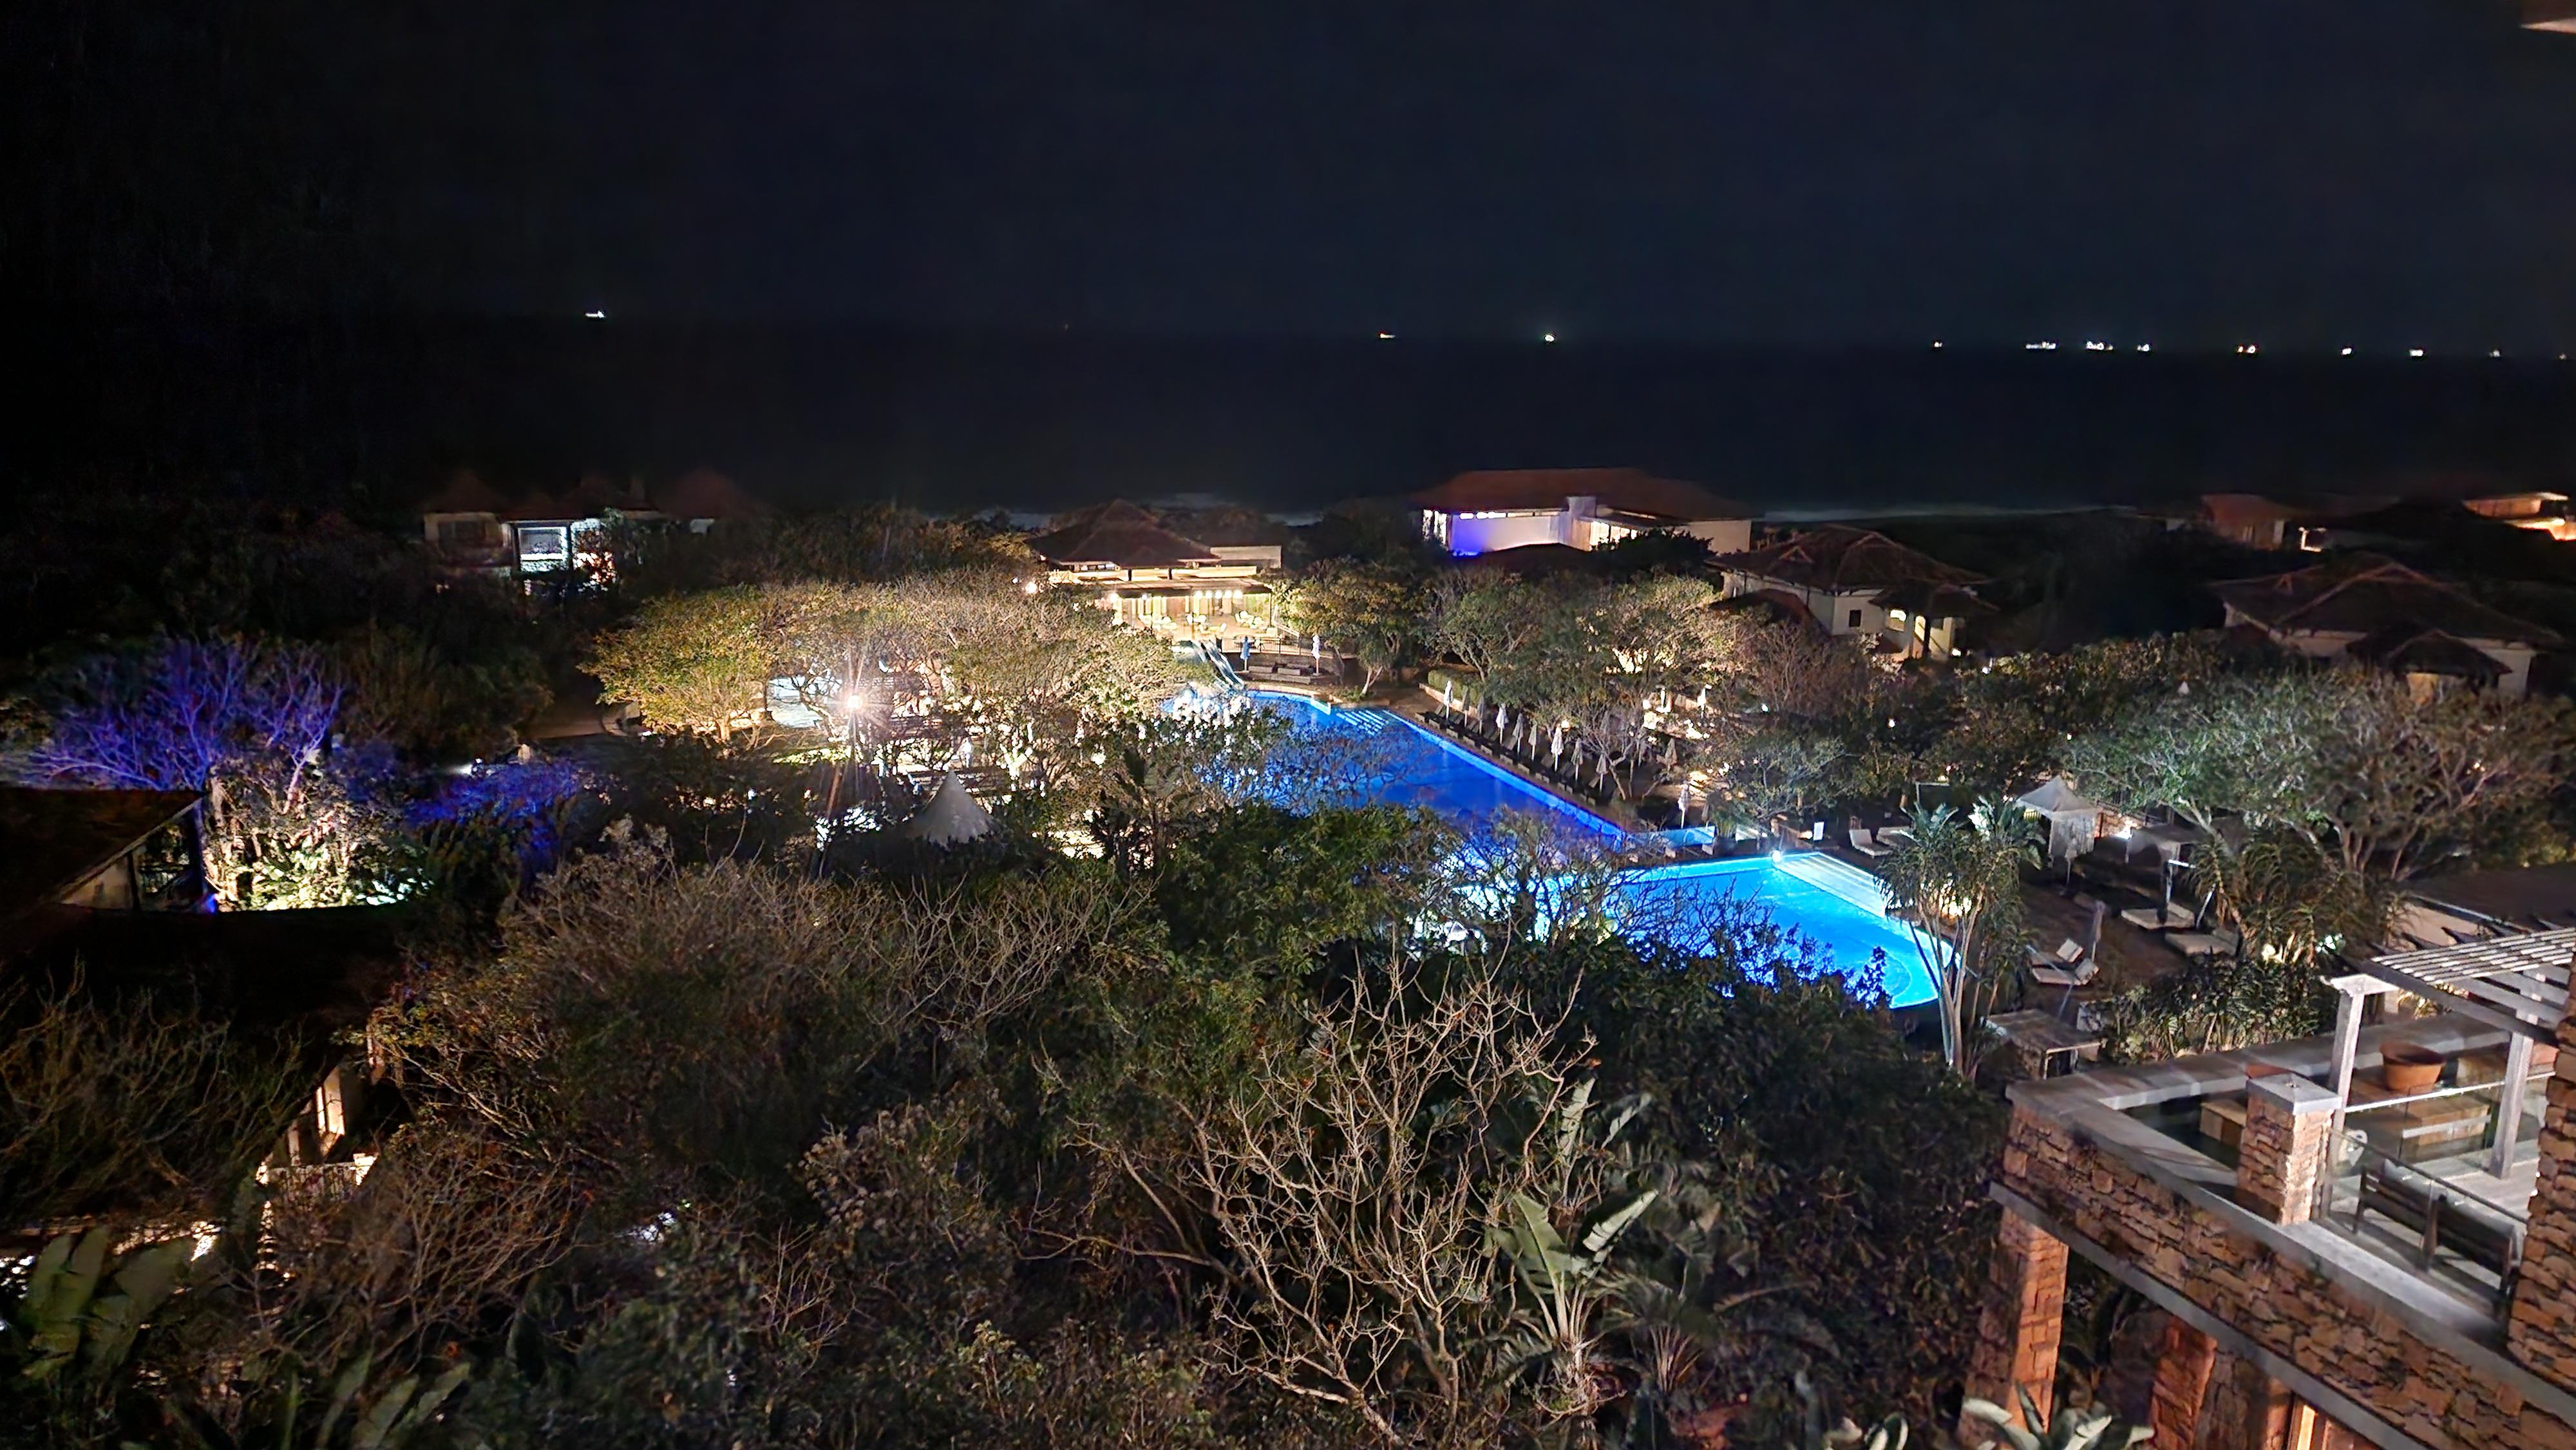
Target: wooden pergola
[2518,983]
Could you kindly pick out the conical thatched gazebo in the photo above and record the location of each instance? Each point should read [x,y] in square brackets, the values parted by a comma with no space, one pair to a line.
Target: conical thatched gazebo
[951,817]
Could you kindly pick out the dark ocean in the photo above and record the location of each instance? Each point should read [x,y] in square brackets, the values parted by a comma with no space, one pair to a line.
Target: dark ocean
[370,412]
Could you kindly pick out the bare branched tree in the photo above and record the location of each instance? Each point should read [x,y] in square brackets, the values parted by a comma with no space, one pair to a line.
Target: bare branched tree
[1353,1182]
[129,1108]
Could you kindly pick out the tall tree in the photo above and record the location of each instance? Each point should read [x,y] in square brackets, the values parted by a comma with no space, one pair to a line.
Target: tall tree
[1375,611]
[1957,882]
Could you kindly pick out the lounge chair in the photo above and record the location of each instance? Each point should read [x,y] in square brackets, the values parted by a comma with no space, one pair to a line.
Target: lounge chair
[2169,918]
[1861,842]
[2068,952]
[2071,976]
[2203,943]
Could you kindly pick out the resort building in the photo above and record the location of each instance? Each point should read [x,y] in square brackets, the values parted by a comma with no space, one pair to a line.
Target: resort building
[2261,521]
[2373,609]
[1579,508]
[1855,581]
[2538,510]
[1152,577]
[476,529]
[2363,1237]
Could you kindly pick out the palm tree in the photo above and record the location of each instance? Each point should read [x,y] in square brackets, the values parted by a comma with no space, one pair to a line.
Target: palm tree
[1957,883]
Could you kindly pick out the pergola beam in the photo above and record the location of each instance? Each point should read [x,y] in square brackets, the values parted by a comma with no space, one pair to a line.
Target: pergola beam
[2450,1000]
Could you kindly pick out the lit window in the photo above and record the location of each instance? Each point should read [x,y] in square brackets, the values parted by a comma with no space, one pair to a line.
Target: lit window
[549,547]
[1896,616]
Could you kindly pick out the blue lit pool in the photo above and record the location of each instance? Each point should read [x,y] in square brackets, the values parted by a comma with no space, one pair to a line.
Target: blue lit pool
[1831,902]
[1414,767]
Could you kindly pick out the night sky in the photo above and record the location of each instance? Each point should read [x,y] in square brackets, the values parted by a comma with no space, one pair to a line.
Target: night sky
[2190,172]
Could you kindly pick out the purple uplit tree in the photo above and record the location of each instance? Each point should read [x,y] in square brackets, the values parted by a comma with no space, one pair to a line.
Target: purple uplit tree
[189,712]
[244,721]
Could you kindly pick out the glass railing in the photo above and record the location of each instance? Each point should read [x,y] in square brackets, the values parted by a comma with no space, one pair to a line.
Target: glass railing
[2418,1181]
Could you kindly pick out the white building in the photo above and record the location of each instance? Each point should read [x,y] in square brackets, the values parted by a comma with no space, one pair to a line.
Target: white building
[2373,609]
[1859,581]
[1581,508]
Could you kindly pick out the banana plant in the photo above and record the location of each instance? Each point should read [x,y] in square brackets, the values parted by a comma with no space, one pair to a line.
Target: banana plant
[1562,1286]
[2075,1428]
[384,1420]
[70,1327]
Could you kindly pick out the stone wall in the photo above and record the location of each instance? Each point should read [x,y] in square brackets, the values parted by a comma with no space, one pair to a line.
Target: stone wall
[2540,1328]
[2364,1352]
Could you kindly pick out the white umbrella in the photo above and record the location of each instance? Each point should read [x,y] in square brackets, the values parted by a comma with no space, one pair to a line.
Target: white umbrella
[2073,819]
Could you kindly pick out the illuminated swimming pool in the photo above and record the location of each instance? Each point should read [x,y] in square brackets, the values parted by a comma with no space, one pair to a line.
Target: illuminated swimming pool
[1418,768]
[1834,904]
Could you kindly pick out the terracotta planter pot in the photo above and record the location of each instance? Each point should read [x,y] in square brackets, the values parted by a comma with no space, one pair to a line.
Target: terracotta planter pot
[2408,1069]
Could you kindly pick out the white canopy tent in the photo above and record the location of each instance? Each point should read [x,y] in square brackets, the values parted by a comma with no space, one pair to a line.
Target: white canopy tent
[2073,819]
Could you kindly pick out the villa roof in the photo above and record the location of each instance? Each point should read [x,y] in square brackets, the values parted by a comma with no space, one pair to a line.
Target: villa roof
[703,493]
[2369,595]
[464,492]
[1934,601]
[1121,534]
[52,840]
[1844,560]
[1628,490]
[2513,895]
[1783,606]
[2413,649]
[318,967]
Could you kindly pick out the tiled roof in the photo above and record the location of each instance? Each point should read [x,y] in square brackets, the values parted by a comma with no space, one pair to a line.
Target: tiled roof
[703,493]
[2417,650]
[1121,534]
[1843,559]
[465,492]
[1934,601]
[52,840]
[2366,594]
[1628,490]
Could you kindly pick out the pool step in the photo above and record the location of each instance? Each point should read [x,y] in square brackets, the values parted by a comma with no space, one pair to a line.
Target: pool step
[1366,720]
[1838,878]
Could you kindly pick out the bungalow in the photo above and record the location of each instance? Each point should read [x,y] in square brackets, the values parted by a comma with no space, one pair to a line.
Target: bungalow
[1152,577]
[2371,608]
[1580,508]
[2262,522]
[1859,581]
[2538,510]
[475,529]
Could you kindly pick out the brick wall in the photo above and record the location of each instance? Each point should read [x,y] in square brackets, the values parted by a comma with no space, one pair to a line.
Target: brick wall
[2018,1327]
[2366,1354]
